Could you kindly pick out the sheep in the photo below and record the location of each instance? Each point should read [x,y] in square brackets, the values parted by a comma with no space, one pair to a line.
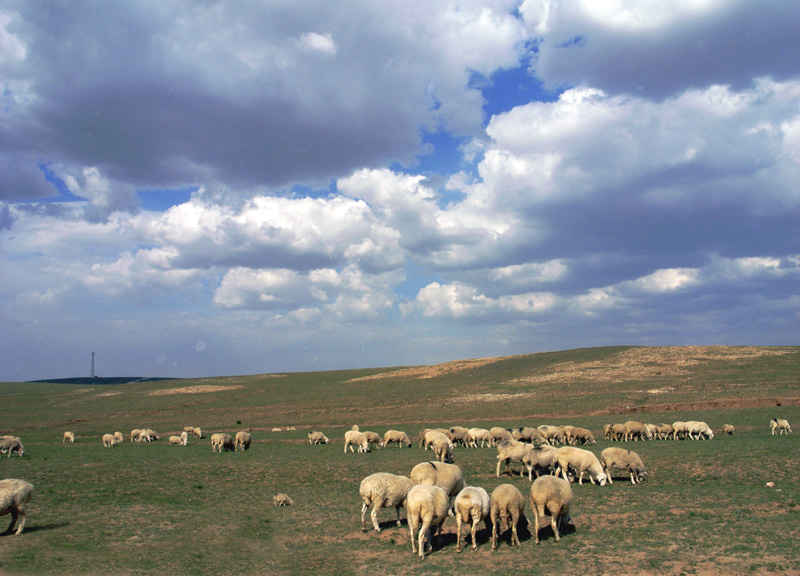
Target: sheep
[617,431]
[479,435]
[68,436]
[553,434]
[498,434]
[148,435]
[636,430]
[197,432]
[551,496]
[427,436]
[471,506]
[109,440]
[119,437]
[580,435]
[184,438]
[446,476]
[678,430]
[14,495]
[443,449]
[11,444]
[664,431]
[528,434]
[382,490]
[541,458]
[512,451]
[781,425]
[373,438]
[282,499]
[459,435]
[728,429]
[135,434]
[607,432]
[701,429]
[397,437]
[188,429]
[315,437]
[507,504]
[624,460]
[175,441]
[222,442]
[581,461]
[426,512]
[354,437]
[243,439]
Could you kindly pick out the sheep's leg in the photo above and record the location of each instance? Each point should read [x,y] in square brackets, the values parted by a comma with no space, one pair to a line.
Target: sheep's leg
[364,507]
[397,509]
[494,530]
[412,525]
[554,522]
[425,537]
[377,505]
[536,523]
[633,480]
[476,517]
[514,537]
[458,532]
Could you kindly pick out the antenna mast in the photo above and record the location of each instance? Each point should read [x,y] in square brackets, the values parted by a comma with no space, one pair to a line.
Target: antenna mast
[93,375]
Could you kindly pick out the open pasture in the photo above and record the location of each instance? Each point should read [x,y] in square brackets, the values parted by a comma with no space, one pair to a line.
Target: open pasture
[153,508]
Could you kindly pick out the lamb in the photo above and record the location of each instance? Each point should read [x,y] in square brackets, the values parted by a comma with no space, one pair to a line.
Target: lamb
[498,434]
[528,434]
[175,441]
[728,429]
[512,451]
[636,430]
[397,437]
[243,439]
[315,437]
[551,496]
[282,499]
[184,438]
[479,435]
[581,461]
[459,435]
[222,442]
[383,490]
[109,440]
[354,437]
[471,506]
[700,429]
[11,444]
[781,425]
[68,436]
[541,459]
[426,511]
[507,504]
[446,476]
[119,437]
[624,460]
[373,438]
[14,495]
[443,449]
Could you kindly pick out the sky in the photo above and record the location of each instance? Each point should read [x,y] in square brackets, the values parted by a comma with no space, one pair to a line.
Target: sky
[194,189]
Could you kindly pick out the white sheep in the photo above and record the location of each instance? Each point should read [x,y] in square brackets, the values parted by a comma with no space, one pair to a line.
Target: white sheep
[499,434]
[728,429]
[426,511]
[373,438]
[198,432]
[68,437]
[383,490]
[578,435]
[781,425]
[243,439]
[118,436]
[580,460]
[551,496]
[541,459]
[553,434]
[624,460]
[315,437]
[664,431]
[443,449]
[428,436]
[396,437]
[109,440]
[184,438]
[354,437]
[698,430]
[479,435]
[528,434]
[507,504]
[459,435]
[175,441]
[512,451]
[14,495]
[135,434]
[678,430]
[11,444]
[617,431]
[471,506]
[282,499]
[446,476]
[222,442]
[637,431]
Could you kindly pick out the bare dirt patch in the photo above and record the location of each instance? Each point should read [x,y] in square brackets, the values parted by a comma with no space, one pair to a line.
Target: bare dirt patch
[424,372]
[201,389]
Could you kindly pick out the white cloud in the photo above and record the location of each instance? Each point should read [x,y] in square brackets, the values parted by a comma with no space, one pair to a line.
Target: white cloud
[318,42]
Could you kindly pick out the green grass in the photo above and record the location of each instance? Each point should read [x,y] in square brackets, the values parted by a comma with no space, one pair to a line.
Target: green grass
[160,509]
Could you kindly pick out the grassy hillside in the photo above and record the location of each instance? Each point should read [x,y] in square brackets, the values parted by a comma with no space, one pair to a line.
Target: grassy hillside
[155,508]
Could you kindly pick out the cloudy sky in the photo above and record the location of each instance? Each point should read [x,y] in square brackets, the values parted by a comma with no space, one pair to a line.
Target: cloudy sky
[214,188]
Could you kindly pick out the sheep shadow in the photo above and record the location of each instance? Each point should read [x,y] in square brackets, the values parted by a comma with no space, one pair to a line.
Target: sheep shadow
[483,536]
[36,528]
[546,530]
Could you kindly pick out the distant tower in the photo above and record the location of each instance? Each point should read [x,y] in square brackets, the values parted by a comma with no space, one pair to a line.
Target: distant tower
[93,374]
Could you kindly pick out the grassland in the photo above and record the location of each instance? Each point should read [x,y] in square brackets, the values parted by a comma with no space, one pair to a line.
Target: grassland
[159,509]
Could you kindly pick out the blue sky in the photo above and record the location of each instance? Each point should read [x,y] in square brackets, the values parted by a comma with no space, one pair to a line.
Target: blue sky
[247,187]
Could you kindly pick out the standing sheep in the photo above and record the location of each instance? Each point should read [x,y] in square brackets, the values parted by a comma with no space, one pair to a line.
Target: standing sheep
[11,444]
[175,441]
[243,439]
[315,437]
[397,437]
[428,436]
[481,435]
[553,434]
[728,429]
[528,434]
[551,496]
[541,459]
[678,430]
[472,506]
[14,495]
[373,438]
[512,451]
[507,504]
[184,438]
[135,434]
[222,442]
[623,460]
[781,425]
[698,430]
[109,440]
[382,490]
[354,437]
[426,511]
[446,476]
[198,432]
[68,437]
[637,431]
[119,437]
[459,435]
[498,434]
[580,460]
[443,449]
[282,499]
[664,431]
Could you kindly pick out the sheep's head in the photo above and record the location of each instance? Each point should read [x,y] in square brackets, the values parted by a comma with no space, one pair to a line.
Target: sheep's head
[602,479]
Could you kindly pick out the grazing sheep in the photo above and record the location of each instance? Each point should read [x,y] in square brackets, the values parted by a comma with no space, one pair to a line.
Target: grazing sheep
[446,476]
[11,444]
[580,460]
[382,490]
[528,434]
[427,436]
[68,437]
[728,429]
[354,437]
[109,440]
[135,434]
[184,438]
[282,499]
[512,451]
[14,495]
[479,435]
[578,435]
[541,459]
[617,432]
[498,434]
[624,460]
[507,504]
[781,425]
[700,429]
[607,432]
[222,442]
[373,438]
[197,432]
[397,437]
[243,439]
[443,449]
[426,511]
[120,438]
[472,506]
[148,435]
[637,431]
[553,434]
[175,441]
[188,429]
[551,496]
[678,430]
[664,431]
[459,435]
[315,437]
